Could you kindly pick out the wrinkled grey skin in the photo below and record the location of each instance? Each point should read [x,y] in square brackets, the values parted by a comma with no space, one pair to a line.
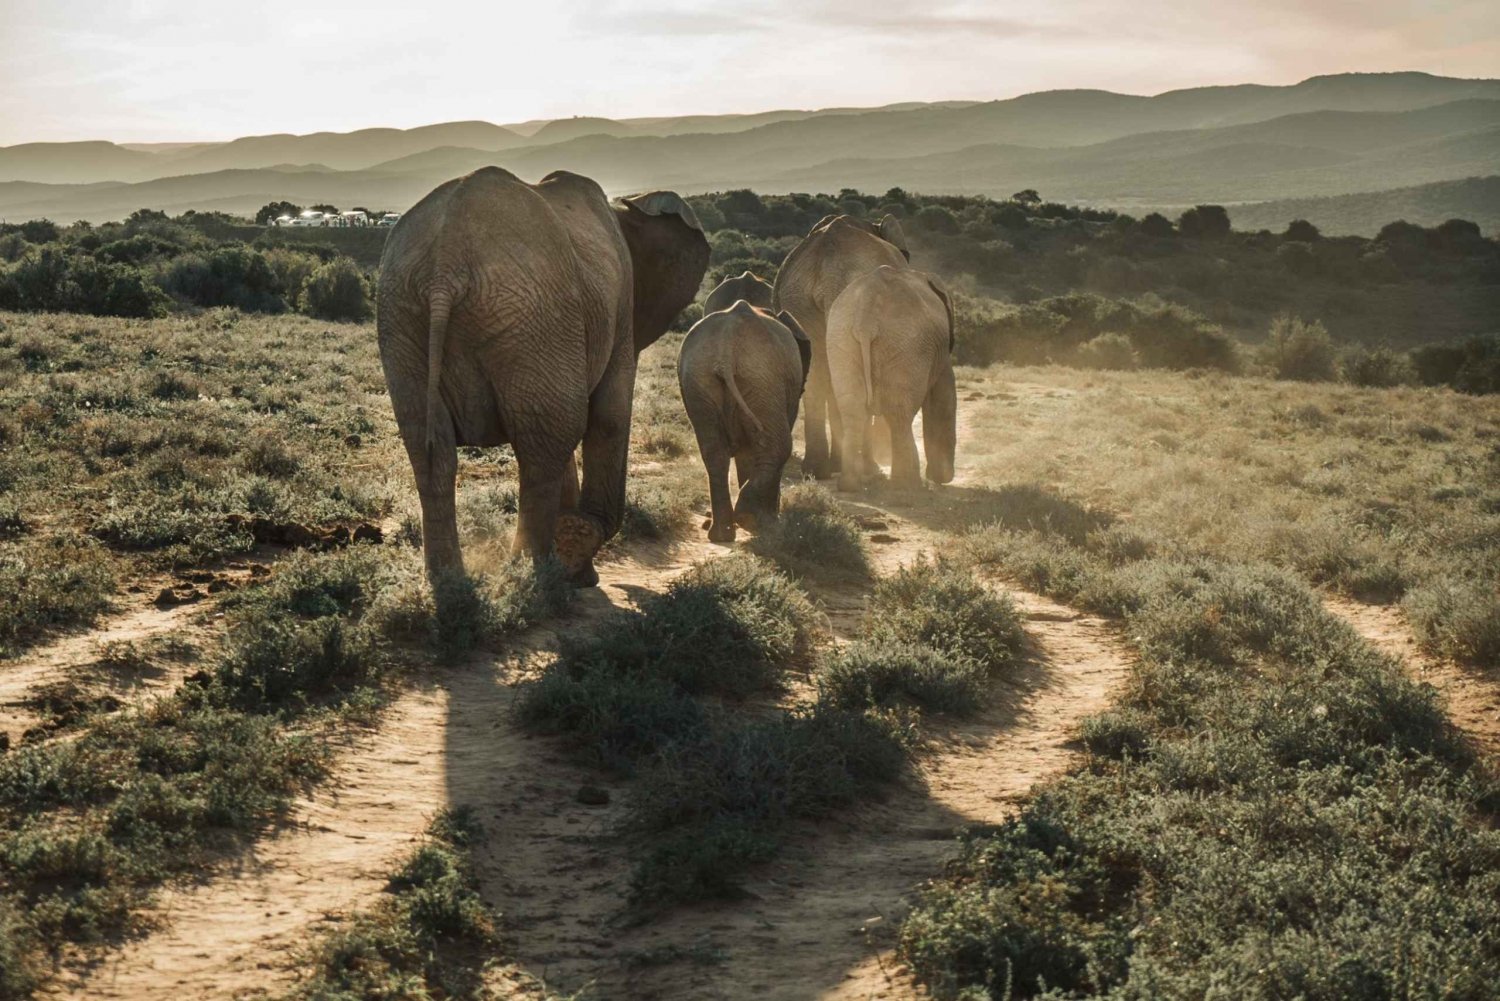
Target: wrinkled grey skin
[741,372]
[890,352]
[747,285]
[834,253]
[513,313]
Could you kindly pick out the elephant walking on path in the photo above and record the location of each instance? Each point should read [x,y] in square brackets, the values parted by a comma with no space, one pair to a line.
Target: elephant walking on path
[741,372]
[513,313]
[890,354]
[834,253]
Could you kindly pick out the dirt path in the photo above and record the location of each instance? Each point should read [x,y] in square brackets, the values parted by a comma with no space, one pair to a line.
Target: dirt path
[77,657]
[238,933]
[1470,694]
[820,922]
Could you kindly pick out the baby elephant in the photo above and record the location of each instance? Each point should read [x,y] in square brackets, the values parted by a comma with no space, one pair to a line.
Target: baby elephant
[747,285]
[741,371]
[890,343]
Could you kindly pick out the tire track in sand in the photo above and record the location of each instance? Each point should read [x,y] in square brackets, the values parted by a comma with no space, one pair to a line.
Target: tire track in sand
[1471,695]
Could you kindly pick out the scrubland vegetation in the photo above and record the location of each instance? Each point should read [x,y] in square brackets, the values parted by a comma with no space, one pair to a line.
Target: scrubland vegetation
[1037,281]
[1270,808]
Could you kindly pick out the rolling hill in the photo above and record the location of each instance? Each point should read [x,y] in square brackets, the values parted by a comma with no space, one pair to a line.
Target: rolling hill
[1473,198]
[1323,137]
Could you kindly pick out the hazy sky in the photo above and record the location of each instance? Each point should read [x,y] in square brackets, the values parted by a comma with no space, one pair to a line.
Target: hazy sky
[171,70]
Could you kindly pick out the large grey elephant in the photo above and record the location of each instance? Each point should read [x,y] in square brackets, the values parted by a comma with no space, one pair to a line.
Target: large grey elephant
[834,253]
[890,353]
[741,372]
[513,312]
[747,286]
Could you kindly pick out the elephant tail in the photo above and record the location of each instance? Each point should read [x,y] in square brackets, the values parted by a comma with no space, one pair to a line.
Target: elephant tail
[739,401]
[440,305]
[864,351]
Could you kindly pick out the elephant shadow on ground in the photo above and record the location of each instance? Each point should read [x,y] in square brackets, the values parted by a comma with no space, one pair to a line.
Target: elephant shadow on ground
[556,865]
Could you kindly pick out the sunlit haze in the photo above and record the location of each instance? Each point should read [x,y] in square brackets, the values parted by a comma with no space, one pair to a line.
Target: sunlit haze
[175,70]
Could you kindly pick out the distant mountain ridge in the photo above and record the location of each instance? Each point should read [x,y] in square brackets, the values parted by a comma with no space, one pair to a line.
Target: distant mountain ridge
[1325,136]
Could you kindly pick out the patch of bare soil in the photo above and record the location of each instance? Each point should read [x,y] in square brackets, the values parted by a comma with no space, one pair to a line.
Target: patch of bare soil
[106,659]
[240,931]
[1470,694]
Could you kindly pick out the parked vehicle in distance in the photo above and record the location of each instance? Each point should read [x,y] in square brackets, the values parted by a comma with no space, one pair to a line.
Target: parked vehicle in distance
[310,217]
[389,219]
[354,217]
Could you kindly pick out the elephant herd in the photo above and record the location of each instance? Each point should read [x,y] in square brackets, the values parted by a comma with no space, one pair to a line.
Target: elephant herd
[515,313]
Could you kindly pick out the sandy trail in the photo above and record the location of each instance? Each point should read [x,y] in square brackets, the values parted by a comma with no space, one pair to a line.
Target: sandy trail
[76,656]
[820,921]
[1471,695]
[238,933]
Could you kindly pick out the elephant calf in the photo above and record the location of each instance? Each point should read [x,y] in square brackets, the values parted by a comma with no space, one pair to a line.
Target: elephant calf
[890,344]
[747,285]
[741,372]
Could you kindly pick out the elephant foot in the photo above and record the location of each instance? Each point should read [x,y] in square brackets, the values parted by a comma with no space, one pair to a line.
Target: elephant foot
[747,520]
[721,532]
[906,483]
[577,538]
[825,470]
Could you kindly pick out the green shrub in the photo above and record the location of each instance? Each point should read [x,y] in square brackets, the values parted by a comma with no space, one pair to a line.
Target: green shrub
[1377,367]
[337,291]
[1262,811]
[50,584]
[1298,350]
[877,675]
[1112,352]
[427,938]
[944,607]
[1458,618]
[813,536]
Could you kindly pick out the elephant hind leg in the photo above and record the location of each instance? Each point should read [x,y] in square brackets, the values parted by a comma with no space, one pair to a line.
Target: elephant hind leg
[906,469]
[716,462]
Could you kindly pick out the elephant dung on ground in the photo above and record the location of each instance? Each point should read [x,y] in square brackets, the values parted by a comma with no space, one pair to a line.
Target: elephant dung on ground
[741,372]
[513,313]
[890,353]
[834,253]
[747,286]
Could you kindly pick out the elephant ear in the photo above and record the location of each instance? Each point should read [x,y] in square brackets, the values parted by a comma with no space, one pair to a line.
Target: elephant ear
[657,203]
[942,294]
[804,343]
[821,224]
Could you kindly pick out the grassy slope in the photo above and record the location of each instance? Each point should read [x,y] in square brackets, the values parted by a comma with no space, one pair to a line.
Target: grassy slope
[1272,809]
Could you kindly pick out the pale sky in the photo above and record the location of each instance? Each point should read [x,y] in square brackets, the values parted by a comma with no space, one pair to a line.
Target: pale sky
[179,70]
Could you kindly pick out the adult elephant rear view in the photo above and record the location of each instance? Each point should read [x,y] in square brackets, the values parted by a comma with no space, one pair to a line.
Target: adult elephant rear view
[513,313]
[890,350]
[838,250]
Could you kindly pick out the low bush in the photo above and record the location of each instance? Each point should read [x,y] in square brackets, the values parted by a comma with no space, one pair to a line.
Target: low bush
[1378,367]
[1112,352]
[430,936]
[1458,617]
[337,291]
[1299,351]
[941,605]
[48,584]
[879,675]
[1296,780]
[813,536]
[714,790]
